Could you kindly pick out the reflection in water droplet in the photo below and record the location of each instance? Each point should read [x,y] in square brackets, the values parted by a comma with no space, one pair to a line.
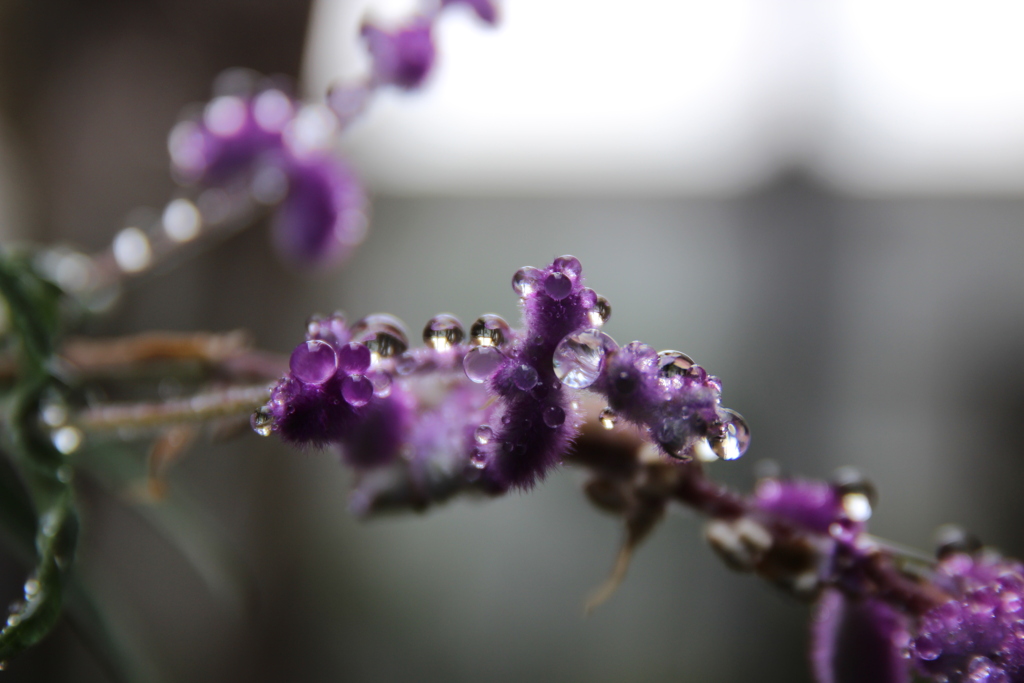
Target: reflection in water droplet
[442,332]
[313,362]
[713,383]
[557,286]
[481,362]
[857,507]
[736,428]
[483,434]
[67,439]
[524,377]
[526,281]
[554,416]
[674,364]
[356,390]
[703,451]
[607,418]
[262,421]
[354,358]
[478,459]
[490,330]
[600,313]
[579,358]
[383,334]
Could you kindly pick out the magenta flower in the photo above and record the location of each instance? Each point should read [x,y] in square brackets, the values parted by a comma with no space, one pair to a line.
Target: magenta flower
[403,57]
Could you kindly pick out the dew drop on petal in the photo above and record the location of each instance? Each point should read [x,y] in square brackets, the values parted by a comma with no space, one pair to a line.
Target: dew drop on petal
[524,377]
[526,281]
[600,312]
[356,390]
[483,434]
[67,439]
[673,363]
[481,362]
[557,286]
[381,383]
[569,265]
[579,358]
[713,383]
[737,431]
[262,421]
[442,332]
[490,330]
[607,418]
[554,416]
[383,334]
[313,362]
[354,358]
[478,459]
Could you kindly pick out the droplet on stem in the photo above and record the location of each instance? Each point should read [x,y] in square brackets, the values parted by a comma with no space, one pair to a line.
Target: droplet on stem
[383,334]
[356,390]
[313,362]
[490,330]
[579,358]
[262,421]
[607,418]
[481,362]
[526,281]
[442,332]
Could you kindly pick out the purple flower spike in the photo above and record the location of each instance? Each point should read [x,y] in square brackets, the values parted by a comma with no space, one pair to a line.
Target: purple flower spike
[485,9]
[857,641]
[402,58]
[978,635]
[323,216]
[313,362]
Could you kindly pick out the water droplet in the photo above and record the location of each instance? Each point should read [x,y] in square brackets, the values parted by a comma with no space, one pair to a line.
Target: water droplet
[67,439]
[381,383]
[442,332]
[272,110]
[736,430]
[600,313]
[406,364]
[481,362]
[262,421]
[64,474]
[354,358]
[554,416]
[483,434]
[132,251]
[950,539]
[225,115]
[490,330]
[181,220]
[982,670]
[703,450]
[31,588]
[524,377]
[526,281]
[579,358]
[569,265]
[713,383]
[383,334]
[54,413]
[557,286]
[607,418]
[857,492]
[313,362]
[478,459]
[356,390]
[674,364]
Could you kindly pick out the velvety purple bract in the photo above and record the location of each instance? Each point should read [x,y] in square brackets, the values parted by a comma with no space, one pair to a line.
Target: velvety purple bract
[857,641]
[403,57]
[812,505]
[978,635]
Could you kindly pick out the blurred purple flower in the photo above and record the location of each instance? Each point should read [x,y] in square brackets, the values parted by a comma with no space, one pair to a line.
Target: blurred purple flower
[485,9]
[857,641]
[403,57]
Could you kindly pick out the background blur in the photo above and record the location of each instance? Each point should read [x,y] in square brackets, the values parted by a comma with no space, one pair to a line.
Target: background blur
[819,201]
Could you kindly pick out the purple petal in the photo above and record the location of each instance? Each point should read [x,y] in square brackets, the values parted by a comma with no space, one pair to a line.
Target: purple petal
[857,641]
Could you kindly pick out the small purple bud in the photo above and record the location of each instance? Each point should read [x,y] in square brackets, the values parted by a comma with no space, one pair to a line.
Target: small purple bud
[481,362]
[557,286]
[402,58]
[353,358]
[485,9]
[524,377]
[313,362]
[356,390]
[554,416]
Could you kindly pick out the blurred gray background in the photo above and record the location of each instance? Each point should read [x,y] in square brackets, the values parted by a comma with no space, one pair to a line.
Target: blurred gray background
[879,326]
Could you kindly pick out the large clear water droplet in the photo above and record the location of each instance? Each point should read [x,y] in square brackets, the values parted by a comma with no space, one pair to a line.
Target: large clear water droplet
[524,377]
[554,416]
[600,312]
[313,362]
[354,358]
[442,332]
[490,330]
[383,334]
[735,437]
[381,383]
[481,362]
[857,494]
[568,265]
[67,439]
[262,421]
[607,418]
[579,358]
[526,281]
[356,390]
[478,459]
